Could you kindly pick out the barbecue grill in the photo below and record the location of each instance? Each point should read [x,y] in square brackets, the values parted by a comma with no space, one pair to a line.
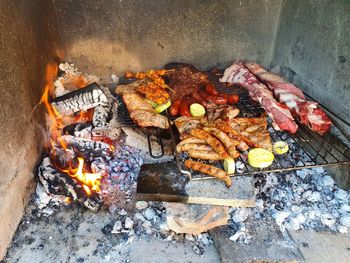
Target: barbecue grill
[307,148]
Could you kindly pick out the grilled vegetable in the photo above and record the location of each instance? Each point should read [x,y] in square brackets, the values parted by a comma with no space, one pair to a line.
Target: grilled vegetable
[229,165]
[162,107]
[210,170]
[260,158]
[197,110]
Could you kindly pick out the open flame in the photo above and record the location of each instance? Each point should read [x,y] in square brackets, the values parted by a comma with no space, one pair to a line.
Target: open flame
[89,181]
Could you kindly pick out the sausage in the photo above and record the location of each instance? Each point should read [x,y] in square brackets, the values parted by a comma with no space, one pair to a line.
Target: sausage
[232,99]
[205,95]
[184,108]
[174,109]
[211,89]
[217,99]
[199,99]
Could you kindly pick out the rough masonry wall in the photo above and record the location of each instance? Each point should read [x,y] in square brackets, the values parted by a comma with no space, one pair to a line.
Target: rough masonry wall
[28,39]
[313,50]
[112,36]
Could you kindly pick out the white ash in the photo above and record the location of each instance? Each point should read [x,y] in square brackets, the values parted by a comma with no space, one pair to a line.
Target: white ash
[303,199]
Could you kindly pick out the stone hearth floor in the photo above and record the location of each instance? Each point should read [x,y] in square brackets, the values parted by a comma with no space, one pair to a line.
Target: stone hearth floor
[74,234]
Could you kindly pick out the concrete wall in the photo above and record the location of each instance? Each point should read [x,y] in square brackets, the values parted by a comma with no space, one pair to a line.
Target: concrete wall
[313,49]
[28,40]
[112,36]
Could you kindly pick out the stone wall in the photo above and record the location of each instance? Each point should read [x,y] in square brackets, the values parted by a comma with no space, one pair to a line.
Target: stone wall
[313,50]
[28,41]
[112,36]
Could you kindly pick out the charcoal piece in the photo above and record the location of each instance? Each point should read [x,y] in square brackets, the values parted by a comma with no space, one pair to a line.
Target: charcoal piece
[86,148]
[58,183]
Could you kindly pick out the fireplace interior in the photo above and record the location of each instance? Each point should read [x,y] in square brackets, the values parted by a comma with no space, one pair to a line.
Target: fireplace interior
[67,134]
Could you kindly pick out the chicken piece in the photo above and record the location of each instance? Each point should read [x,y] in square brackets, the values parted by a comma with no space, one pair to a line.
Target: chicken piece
[212,141]
[243,140]
[255,129]
[210,170]
[204,154]
[222,112]
[145,118]
[189,140]
[186,124]
[129,88]
[229,143]
[194,146]
[134,102]
[154,92]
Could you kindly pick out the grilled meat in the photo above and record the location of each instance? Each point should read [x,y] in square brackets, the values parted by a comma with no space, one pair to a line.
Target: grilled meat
[239,74]
[255,129]
[186,124]
[204,154]
[145,118]
[243,140]
[194,146]
[154,92]
[222,112]
[184,79]
[134,102]
[129,88]
[212,141]
[307,111]
[142,113]
[229,143]
[210,170]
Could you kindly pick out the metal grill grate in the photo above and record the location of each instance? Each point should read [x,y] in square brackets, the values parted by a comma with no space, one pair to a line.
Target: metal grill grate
[307,149]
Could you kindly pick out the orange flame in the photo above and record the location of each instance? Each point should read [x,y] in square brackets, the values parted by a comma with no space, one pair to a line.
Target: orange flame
[90,181]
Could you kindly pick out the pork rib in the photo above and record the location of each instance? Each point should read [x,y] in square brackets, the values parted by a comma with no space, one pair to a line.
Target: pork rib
[239,74]
[306,111]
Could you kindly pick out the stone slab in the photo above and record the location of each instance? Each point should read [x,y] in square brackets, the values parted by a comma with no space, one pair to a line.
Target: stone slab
[267,244]
[159,252]
[322,247]
[163,182]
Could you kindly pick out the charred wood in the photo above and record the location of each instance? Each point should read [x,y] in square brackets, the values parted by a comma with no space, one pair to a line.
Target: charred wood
[59,183]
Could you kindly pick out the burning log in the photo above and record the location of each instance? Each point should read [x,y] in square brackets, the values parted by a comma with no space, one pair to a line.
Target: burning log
[59,183]
[92,96]
[89,149]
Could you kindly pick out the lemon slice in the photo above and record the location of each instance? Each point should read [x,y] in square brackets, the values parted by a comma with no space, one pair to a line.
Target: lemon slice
[229,165]
[162,107]
[260,158]
[197,110]
[280,147]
